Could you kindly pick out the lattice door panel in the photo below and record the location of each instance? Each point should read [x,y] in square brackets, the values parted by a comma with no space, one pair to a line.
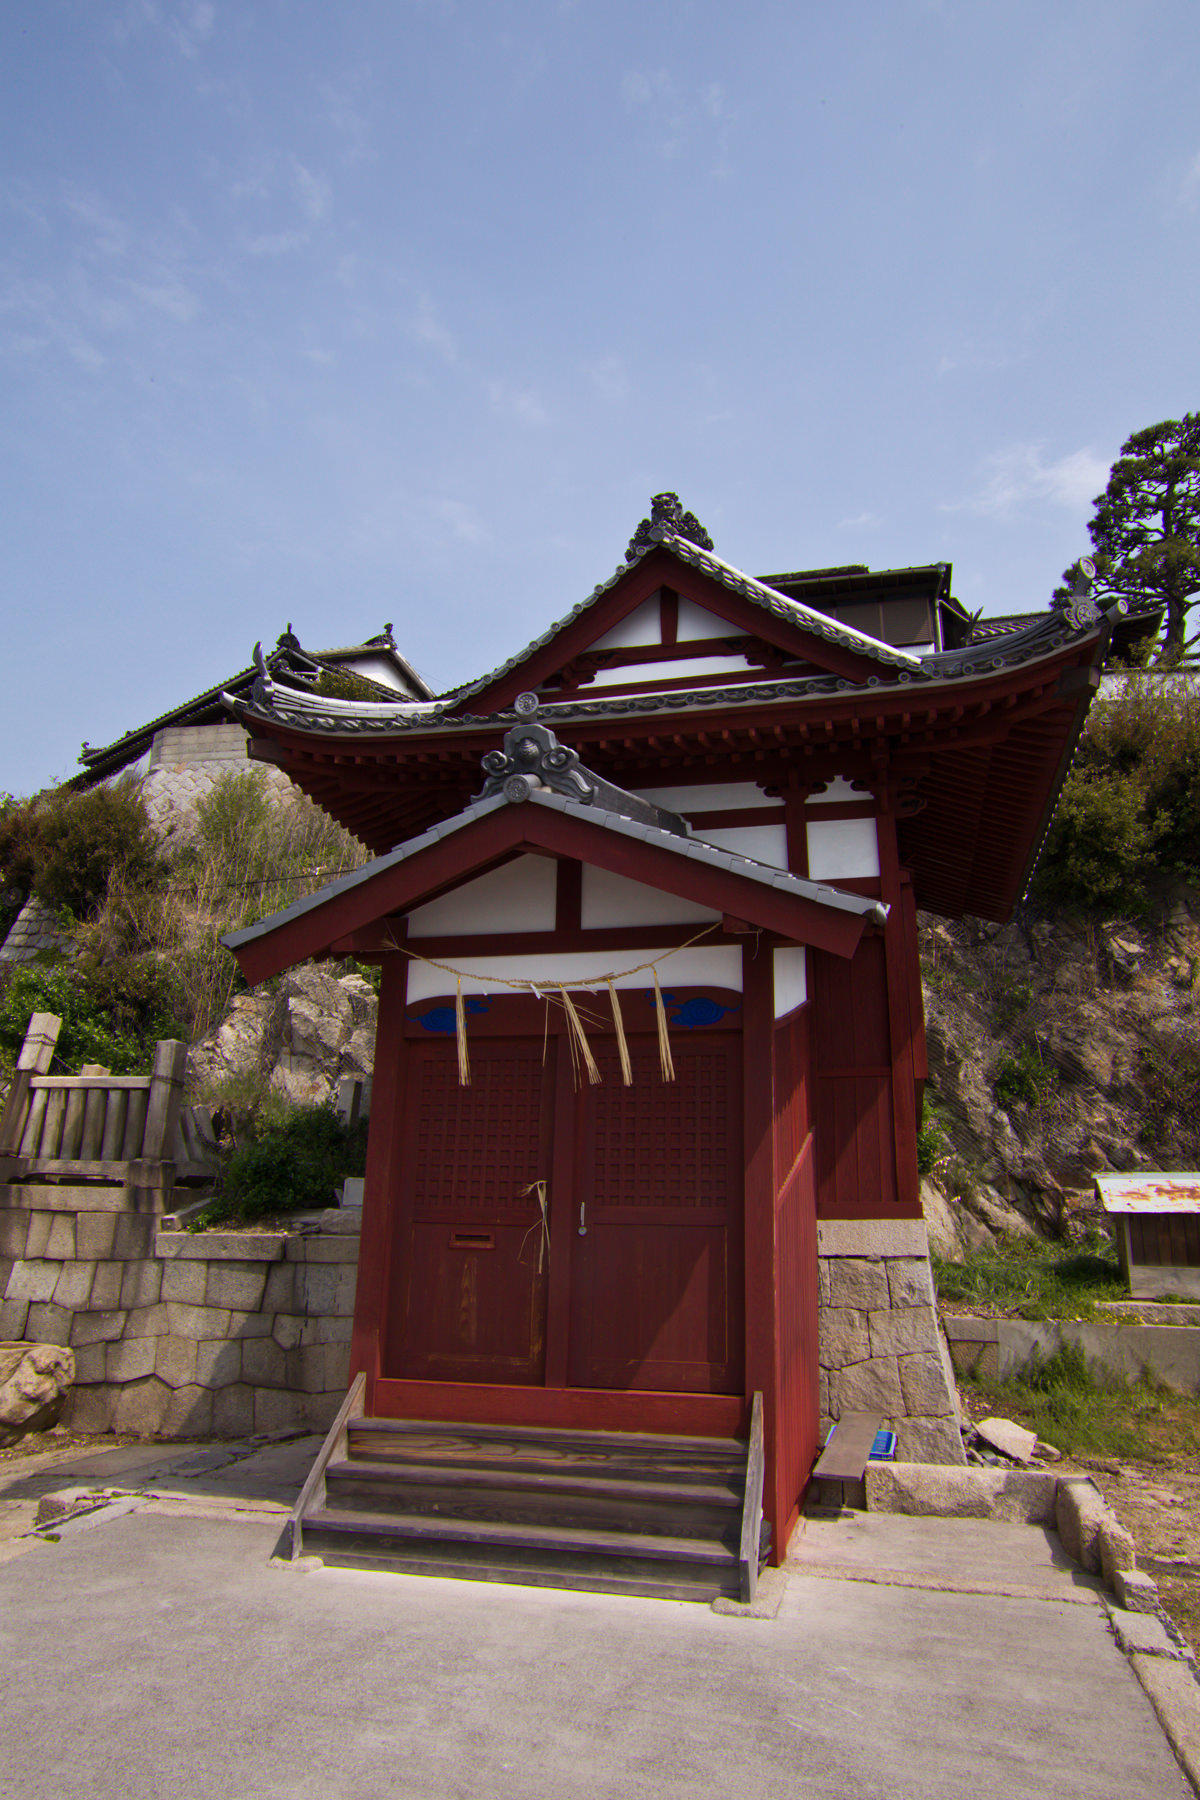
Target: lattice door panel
[470,1301]
[657,1268]
[662,1144]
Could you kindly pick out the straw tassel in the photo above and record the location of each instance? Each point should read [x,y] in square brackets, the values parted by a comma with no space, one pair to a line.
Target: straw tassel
[666,1062]
[579,1038]
[619,1028]
[460,1033]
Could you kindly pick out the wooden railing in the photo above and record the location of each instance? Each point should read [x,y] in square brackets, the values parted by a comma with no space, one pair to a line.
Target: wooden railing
[95,1126]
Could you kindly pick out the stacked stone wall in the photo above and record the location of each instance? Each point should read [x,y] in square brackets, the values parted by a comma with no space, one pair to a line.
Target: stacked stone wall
[176,1334]
[881,1349]
[186,762]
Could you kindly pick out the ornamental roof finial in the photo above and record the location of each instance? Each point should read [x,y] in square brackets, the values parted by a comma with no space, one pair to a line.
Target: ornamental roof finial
[667,519]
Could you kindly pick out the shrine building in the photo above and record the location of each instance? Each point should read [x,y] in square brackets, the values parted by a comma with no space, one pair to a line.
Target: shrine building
[642,1213]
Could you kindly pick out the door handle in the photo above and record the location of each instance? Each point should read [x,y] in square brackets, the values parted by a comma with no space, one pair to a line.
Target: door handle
[582,1215]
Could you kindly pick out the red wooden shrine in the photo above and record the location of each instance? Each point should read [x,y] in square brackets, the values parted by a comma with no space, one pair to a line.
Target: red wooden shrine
[700,777]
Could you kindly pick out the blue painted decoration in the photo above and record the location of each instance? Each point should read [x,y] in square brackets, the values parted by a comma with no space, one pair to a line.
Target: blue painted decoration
[692,1014]
[441,1018]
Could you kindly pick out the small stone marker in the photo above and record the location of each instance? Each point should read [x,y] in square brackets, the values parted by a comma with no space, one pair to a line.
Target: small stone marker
[1011,1440]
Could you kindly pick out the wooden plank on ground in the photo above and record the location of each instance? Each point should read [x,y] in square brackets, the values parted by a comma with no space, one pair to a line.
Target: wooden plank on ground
[849,1449]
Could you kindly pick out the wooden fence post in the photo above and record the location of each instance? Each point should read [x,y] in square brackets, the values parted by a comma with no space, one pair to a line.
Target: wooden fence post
[34,1058]
[162,1116]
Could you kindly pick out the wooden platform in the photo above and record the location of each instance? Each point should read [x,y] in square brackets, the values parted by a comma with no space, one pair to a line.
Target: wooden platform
[623,1512]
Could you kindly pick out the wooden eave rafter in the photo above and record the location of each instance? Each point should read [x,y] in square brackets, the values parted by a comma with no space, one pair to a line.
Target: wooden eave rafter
[491,838]
[387,788]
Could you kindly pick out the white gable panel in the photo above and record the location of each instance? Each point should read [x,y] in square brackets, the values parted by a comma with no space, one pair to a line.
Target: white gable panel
[642,628]
[689,666]
[519,896]
[764,843]
[791,980]
[697,966]
[697,622]
[615,900]
[842,849]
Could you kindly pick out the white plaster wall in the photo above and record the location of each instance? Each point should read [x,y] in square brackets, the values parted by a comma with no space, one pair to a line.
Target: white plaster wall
[791,980]
[842,849]
[377,668]
[763,843]
[697,622]
[642,628]
[699,966]
[668,671]
[615,900]
[837,791]
[519,896]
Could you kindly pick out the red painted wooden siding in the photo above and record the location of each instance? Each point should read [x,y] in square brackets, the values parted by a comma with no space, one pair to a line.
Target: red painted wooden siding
[797,1414]
[852,1078]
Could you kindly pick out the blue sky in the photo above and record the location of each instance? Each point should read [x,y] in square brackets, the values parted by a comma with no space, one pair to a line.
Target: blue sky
[402,309]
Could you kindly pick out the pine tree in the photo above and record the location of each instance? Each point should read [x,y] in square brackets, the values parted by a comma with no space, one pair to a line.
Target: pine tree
[1145,531]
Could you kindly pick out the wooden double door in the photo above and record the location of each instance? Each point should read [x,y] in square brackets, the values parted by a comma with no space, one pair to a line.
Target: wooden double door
[634,1279]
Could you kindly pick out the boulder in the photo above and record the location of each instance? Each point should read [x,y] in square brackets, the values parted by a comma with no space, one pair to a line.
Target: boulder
[34,1381]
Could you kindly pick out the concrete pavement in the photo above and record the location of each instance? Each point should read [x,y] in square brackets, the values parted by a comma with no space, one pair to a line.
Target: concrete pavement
[159,1653]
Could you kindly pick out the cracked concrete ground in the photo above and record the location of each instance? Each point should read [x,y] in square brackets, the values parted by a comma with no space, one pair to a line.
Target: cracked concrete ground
[158,1652]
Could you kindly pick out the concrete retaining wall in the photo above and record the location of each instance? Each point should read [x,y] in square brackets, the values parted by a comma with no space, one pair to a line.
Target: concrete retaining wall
[996,1349]
[880,1347]
[173,1333]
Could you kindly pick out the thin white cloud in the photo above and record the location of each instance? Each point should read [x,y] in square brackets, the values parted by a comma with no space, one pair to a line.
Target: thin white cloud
[1020,476]
[430,330]
[188,24]
[863,521]
[518,403]
[1188,192]
[312,191]
[276,243]
[610,378]
[680,117]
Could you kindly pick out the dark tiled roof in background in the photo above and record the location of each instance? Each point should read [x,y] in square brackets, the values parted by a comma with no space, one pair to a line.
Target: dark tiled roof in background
[793,612]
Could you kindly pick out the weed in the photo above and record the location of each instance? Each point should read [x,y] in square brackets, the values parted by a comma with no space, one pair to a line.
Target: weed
[1022,1080]
[1076,1410]
[1031,1279]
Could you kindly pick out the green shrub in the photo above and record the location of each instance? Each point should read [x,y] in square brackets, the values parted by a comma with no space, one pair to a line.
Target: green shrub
[1130,807]
[1098,853]
[87,1034]
[295,1161]
[932,1143]
[71,844]
[1021,1080]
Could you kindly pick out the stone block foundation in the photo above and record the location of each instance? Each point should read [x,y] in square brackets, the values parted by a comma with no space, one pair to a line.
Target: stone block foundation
[880,1346]
[178,1334]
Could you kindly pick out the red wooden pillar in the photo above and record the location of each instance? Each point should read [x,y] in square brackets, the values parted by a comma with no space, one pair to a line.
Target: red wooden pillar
[900,1020]
[758,1122]
[379,1195]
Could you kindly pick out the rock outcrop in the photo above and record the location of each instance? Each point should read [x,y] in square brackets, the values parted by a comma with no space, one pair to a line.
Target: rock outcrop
[1057,1050]
[34,1382]
[300,1038]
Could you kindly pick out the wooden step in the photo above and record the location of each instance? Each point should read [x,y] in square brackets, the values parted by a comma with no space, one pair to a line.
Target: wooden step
[681,1567]
[627,1455]
[660,1507]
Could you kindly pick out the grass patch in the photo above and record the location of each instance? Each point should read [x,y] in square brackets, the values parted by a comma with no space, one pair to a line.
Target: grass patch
[1028,1278]
[1084,1415]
